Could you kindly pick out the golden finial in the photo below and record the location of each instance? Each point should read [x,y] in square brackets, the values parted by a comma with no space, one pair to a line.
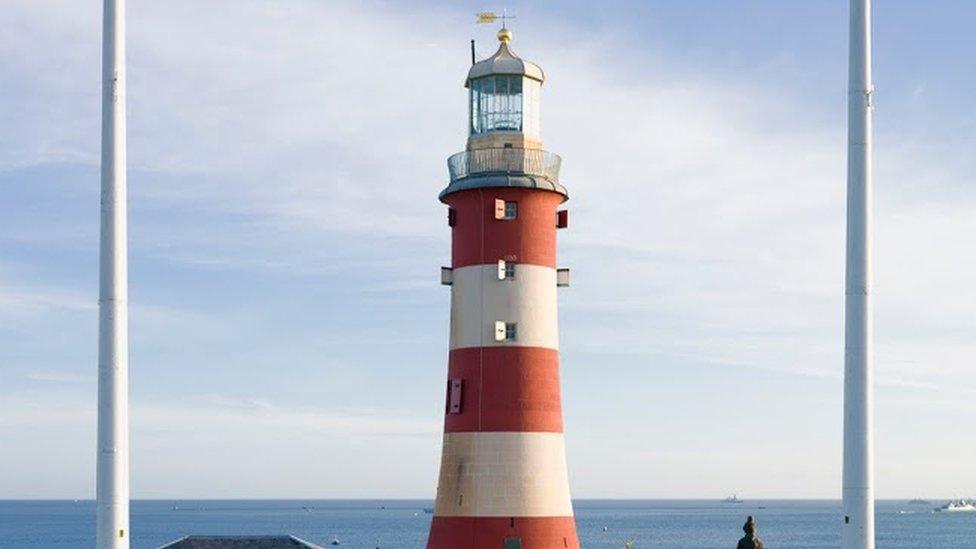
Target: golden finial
[504,35]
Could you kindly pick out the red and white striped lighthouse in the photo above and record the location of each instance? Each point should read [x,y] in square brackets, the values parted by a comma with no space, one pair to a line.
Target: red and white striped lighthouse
[503,481]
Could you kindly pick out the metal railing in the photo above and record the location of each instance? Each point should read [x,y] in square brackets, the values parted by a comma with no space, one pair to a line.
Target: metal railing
[504,161]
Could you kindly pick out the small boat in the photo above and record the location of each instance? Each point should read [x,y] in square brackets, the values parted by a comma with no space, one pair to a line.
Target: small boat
[732,499]
[335,541]
[429,510]
[958,506]
[918,501]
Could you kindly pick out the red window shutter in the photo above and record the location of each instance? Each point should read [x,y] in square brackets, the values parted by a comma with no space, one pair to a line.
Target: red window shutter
[562,219]
[454,395]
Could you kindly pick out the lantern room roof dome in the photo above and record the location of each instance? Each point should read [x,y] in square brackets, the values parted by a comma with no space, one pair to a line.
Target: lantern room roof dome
[504,61]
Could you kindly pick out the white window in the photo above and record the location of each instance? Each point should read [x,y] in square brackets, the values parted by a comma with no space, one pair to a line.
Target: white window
[506,331]
[506,270]
[499,208]
[505,210]
[562,277]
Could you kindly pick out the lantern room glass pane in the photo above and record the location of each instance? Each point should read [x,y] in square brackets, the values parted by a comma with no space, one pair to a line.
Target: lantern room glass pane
[531,90]
[496,103]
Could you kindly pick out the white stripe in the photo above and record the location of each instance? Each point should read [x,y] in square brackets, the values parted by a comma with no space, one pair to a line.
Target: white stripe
[503,475]
[479,299]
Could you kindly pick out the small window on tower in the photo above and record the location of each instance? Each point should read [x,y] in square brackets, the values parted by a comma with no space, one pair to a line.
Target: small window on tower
[506,270]
[513,543]
[505,209]
[511,210]
[562,277]
[506,331]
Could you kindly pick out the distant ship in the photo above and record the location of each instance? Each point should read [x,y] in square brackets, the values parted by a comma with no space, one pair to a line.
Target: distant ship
[918,501]
[958,506]
[732,499]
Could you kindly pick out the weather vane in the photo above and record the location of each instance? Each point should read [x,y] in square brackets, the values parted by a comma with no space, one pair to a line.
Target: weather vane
[491,17]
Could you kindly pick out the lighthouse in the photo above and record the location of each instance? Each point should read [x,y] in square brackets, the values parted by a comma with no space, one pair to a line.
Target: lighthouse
[503,482]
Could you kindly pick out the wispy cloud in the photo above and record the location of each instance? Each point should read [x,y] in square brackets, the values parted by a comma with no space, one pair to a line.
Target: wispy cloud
[19,299]
[59,377]
[217,446]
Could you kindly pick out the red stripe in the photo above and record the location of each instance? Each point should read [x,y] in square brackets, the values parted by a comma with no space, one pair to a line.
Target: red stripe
[480,239]
[491,532]
[506,389]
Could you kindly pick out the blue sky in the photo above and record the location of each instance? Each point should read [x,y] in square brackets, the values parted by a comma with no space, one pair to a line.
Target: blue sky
[288,332]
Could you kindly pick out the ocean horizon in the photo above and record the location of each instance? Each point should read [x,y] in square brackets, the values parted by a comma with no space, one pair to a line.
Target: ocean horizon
[403,523]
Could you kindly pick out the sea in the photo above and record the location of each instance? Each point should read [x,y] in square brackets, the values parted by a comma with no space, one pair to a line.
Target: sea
[603,524]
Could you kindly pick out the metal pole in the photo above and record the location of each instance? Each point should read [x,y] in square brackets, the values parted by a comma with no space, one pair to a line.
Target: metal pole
[112,476]
[858,483]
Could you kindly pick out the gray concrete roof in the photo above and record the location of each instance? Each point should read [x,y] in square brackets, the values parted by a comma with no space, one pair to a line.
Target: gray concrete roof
[239,542]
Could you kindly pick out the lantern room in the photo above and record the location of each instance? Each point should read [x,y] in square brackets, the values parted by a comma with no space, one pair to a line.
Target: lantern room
[504,95]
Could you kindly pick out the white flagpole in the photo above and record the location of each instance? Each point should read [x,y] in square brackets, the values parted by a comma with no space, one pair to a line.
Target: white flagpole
[112,475]
[858,482]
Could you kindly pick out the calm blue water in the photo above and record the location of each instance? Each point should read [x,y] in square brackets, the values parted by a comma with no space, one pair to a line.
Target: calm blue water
[364,524]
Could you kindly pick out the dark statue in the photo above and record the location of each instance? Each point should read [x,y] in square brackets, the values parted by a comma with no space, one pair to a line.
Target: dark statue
[750,540]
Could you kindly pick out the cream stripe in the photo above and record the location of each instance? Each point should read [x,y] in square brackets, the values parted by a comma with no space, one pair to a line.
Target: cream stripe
[503,475]
[479,299]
